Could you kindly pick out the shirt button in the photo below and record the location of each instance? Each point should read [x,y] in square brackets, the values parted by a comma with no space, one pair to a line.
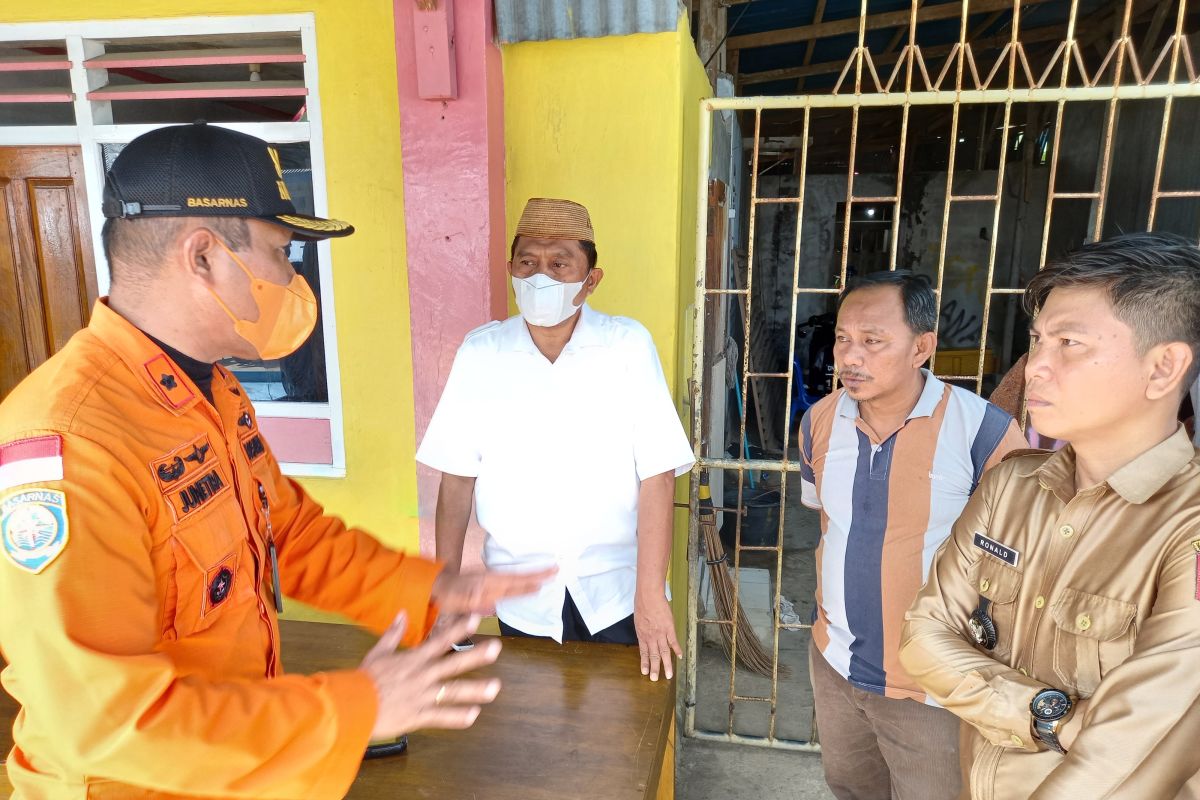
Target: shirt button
[1083,622]
[1039,602]
[984,585]
[1017,740]
[1067,531]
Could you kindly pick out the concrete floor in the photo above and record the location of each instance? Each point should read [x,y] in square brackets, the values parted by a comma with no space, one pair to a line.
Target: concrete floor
[718,771]
[723,771]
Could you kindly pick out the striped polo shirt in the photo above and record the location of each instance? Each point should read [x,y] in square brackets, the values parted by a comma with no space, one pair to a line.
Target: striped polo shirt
[886,507]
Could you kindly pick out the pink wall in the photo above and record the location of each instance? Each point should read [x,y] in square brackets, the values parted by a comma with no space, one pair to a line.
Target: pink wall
[453,152]
[298,440]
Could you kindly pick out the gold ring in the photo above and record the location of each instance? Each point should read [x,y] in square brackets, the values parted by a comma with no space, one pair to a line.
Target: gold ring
[441,694]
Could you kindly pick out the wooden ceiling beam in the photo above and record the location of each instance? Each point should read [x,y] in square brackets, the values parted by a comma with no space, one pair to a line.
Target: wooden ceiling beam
[818,16]
[890,19]
[900,33]
[1047,33]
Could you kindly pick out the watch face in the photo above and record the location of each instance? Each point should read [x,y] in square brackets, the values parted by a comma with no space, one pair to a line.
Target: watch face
[1051,705]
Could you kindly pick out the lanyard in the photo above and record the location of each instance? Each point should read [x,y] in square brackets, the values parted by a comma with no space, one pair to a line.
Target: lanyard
[271,554]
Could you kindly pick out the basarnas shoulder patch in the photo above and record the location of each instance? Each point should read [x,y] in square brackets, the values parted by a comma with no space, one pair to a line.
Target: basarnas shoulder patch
[33,527]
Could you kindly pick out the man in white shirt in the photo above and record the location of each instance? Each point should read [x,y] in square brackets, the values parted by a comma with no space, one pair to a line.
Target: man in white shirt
[557,423]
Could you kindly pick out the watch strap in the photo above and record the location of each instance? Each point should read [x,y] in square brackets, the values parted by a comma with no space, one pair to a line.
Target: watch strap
[1047,732]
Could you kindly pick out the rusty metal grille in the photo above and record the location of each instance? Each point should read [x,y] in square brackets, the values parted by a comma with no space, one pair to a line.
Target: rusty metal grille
[1048,73]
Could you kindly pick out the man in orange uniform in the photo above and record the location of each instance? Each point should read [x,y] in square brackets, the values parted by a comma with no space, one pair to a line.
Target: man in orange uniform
[148,533]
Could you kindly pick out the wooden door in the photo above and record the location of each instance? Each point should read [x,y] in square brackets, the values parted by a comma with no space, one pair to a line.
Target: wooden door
[47,270]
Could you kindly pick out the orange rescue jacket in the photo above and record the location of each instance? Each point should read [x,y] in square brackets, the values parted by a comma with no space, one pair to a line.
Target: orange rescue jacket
[136,603]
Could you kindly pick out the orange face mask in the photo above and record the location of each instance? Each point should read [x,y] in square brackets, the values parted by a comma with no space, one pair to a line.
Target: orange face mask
[286,314]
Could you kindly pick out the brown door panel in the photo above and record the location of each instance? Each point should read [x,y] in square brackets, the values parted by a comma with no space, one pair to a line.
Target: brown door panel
[46,266]
[14,354]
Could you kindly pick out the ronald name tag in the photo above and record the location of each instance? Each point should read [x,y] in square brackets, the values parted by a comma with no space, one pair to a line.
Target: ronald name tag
[1003,552]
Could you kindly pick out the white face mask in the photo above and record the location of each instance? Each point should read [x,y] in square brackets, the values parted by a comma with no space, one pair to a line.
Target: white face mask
[544,301]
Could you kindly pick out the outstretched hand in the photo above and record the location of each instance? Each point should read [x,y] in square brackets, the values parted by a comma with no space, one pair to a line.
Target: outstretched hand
[476,592]
[418,689]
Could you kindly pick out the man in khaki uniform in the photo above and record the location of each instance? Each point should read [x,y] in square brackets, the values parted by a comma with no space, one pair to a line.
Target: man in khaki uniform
[1061,620]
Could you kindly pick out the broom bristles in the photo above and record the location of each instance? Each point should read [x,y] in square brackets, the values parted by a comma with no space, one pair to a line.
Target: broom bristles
[750,650]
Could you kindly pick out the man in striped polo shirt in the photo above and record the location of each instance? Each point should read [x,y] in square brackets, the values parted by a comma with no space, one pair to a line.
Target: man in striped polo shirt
[889,460]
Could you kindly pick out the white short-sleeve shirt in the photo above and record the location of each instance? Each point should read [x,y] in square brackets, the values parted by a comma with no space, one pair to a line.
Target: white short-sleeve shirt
[558,452]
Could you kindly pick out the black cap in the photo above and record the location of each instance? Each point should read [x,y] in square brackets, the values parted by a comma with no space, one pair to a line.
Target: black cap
[202,170]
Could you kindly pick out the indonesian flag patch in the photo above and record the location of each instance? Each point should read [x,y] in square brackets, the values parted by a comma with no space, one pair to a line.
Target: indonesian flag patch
[35,460]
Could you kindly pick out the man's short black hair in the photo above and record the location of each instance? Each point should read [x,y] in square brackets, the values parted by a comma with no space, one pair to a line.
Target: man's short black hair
[1152,280]
[137,244]
[589,250]
[916,291]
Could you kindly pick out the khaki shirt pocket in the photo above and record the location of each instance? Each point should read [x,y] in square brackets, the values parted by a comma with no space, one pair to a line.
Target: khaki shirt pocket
[1000,584]
[214,568]
[1092,635]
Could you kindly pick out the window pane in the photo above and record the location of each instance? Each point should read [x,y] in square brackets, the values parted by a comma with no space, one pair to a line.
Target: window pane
[36,70]
[165,73]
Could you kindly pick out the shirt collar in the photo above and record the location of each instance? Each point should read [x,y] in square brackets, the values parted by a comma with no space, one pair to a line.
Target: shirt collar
[1136,482]
[927,403]
[587,333]
[158,374]
[514,336]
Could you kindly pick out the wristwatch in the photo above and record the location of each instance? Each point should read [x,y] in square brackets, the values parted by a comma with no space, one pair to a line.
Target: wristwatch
[1050,709]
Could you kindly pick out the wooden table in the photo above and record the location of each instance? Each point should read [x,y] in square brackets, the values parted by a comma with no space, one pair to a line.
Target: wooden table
[572,721]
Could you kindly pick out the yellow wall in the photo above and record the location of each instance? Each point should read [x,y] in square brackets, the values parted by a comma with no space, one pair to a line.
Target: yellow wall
[611,124]
[357,73]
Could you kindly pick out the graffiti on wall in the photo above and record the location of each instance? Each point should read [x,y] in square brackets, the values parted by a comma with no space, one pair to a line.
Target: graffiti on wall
[959,328]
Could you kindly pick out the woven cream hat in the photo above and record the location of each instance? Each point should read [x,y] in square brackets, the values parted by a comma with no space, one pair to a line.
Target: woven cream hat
[547,218]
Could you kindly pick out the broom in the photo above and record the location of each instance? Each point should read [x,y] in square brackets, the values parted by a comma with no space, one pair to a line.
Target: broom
[750,650]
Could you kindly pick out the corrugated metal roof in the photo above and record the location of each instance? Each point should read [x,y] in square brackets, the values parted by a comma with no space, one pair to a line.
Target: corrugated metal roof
[538,20]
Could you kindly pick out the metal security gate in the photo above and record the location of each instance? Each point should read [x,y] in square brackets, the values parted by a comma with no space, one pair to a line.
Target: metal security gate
[1122,73]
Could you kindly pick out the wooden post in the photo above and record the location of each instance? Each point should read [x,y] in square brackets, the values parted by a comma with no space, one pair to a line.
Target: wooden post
[710,34]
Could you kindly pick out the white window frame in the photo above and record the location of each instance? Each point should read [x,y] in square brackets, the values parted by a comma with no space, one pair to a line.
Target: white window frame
[91,130]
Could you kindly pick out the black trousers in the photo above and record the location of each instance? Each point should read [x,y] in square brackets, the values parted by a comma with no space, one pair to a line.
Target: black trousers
[575,630]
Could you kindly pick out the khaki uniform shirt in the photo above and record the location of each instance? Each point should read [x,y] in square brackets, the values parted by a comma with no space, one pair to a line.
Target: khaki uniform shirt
[1095,593]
